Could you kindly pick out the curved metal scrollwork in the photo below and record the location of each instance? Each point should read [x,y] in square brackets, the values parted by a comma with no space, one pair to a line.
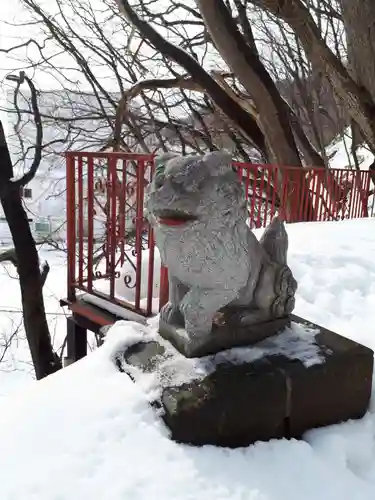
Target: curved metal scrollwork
[134,252]
[121,234]
[130,281]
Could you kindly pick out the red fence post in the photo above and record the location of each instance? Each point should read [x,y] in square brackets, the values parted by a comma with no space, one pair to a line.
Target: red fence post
[90,222]
[112,229]
[80,233]
[71,225]
[151,255]
[139,223]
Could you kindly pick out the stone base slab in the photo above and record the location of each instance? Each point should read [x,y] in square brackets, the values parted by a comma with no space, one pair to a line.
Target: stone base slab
[276,395]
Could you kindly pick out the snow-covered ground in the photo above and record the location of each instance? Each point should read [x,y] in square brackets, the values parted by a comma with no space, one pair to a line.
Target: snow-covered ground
[88,431]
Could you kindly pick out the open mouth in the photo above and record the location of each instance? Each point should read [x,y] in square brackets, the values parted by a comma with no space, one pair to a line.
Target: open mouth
[174,217]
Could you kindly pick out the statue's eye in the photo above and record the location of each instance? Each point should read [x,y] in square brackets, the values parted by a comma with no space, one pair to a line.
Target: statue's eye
[160,169]
[186,184]
[175,181]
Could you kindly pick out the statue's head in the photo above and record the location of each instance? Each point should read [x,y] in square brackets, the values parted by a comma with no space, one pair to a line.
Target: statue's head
[191,188]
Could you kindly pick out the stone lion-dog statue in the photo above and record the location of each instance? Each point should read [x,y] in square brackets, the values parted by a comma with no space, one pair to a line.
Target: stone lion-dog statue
[218,270]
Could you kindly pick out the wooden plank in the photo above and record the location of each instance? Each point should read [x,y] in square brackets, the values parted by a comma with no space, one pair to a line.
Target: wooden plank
[91,312]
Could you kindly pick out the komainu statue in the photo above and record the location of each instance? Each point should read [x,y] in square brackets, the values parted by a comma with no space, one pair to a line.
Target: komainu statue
[221,277]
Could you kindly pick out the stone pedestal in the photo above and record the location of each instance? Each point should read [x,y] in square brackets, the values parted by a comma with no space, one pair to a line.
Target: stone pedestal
[301,379]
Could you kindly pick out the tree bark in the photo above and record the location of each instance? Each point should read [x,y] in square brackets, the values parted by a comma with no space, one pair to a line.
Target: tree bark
[359,21]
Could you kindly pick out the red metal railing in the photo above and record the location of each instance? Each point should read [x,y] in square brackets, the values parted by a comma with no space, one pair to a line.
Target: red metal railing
[111,251]
[106,227]
[312,194]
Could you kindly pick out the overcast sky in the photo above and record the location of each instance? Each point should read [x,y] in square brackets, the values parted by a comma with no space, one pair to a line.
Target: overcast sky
[6,15]
[10,12]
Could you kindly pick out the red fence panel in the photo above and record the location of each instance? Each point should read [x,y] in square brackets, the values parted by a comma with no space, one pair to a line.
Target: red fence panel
[106,229]
[317,194]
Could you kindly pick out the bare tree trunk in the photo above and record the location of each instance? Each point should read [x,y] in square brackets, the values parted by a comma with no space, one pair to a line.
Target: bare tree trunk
[245,63]
[44,359]
[36,327]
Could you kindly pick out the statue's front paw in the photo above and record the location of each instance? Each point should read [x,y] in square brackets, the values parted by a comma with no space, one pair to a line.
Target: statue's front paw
[171,314]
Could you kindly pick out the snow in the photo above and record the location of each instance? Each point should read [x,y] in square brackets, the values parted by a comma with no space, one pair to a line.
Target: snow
[296,342]
[115,309]
[342,157]
[89,431]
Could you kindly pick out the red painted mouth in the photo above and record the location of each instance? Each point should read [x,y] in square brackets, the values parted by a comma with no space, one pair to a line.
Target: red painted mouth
[166,221]
[174,218]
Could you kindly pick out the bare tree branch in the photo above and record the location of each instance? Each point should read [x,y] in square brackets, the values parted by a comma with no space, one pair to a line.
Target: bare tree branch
[218,95]
[9,256]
